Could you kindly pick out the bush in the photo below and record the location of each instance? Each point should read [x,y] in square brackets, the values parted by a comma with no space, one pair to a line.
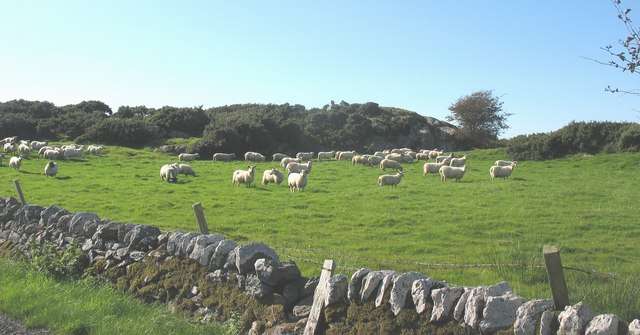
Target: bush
[118,131]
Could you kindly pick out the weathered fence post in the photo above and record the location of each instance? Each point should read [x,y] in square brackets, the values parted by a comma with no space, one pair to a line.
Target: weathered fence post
[319,297]
[556,277]
[16,183]
[202,221]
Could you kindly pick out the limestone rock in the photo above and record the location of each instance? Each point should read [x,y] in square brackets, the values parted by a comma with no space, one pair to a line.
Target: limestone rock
[421,292]
[444,302]
[356,284]
[257,288]
[500,312]
[605,324]
[574,319]
[248,254]
[634,327]
[384,290]
[371,282]
[221,253]
[78,221]
[142,237]
[476,302]
[548,323]
[528,314]
[401,290]
[458,312]
[336,290]
[201,242]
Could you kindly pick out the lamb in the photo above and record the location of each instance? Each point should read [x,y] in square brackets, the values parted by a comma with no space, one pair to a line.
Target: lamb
[51,169]
[448,172]
[278,156]
[295,167]
[387,163]
[501,171]
[272,176]
[254,156]
[286,160]
[298,181]
[95,149]
[390,179]
[305,156]
[219,156]
[326,155]
[431,168]
[185,169]
[15,162]
[244,176]
[188,157]
[169,173]
[504,163]
[458,162]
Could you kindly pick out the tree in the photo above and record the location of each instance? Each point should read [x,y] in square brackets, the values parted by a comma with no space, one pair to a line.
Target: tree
[480,118]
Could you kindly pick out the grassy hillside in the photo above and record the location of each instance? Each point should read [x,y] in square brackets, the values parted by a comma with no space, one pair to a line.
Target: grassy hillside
[476,232]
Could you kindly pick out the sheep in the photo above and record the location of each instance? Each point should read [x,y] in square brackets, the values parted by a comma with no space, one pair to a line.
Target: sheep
[448,172]
[502,171]
[345,155]
[295,167]
[326,155]
[185,169]
[375,160]
[359,159]
[36,145]
[244,176]
[52,154]
[431,168]
[24,149]
[278,156]
[504,163]
[422,156]
[272,176]
[444,159]
[390,179]
[188,157]
[11,139]
[15,162]
[406,158]
[9,147]
[220,156]
[286,160]
[458,162]
[69,152]
[388,163]
[379,154]
[435,153]
[51,169]
[254,156]
[297,181]
[95,149]
[394,156]
[43,149]
[169,173]
[305,156]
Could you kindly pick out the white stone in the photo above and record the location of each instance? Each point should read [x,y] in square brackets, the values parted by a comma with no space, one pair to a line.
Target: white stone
[387,282]
[546,321]
[444,301]
[421,292]
[371,282]
[634,327]
[476,301]
[458,312]
[500,312]
[528,314]
[605,324]
[574,319]
[401,289]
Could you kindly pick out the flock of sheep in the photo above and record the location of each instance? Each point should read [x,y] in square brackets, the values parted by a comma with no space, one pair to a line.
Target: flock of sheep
[447,166]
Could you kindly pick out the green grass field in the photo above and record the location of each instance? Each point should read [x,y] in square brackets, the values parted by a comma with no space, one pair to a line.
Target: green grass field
[476,232]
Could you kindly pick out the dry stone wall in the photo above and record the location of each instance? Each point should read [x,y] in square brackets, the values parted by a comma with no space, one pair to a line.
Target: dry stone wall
[260,273]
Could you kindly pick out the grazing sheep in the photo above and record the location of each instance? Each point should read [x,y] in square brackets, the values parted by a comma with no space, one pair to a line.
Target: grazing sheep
[272,176]
[458,162]
[298,181]
[504,163]
[435,153]
[24,149]
[9,147]
[431,168]
[444,159]
[374,160]
[188,157]
[448,172]
[278,156]
[394,156]
[254,156]
[244,176]
[185,169]
[95,149]
[390,179]
[286,160]
[69,152]
[379,154]
[36,145]
[422,156]
[12,139]
[43,149]
[345,155]
[169,173]
[15,162]
[295,167]
[502,171]
[406,158]
[305,156]
[224,157]
[326,155]
[52,154]
[51,169]
[388,163]
[359,159]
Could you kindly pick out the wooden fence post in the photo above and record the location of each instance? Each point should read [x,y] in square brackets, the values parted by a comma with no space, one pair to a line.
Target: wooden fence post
[319,297]
[556,277]
[16,183]
[202,221]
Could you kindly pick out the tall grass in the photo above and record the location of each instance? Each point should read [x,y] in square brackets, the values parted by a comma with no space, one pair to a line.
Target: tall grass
[585,205]
[86,307]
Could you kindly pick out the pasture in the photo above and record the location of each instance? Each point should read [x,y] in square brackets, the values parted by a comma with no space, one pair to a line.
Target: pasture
[475,232]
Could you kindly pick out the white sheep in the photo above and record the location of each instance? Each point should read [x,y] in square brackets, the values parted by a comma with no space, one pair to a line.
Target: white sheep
[36,145]
[169,173]
[52,154]
[375,160]
[69,152]
[244,176]
[345,155]
[43,149]
[24,149]
[9,147]
[388,163]
[95,149]
[254,157]
[444,159]
[15,162]
[504,163]
[185,169]
[295,167]
[435,153]
[390,179]
[225,157]
[448,172]
[188,157]
[272,176]
[51,169]
[286,160]
[458,162]
[278,156]
[326,155]
[297,181]
[431,168]
[502,171]
[394,156]
[422,156]
[11,139]
[360,159]
[305,156]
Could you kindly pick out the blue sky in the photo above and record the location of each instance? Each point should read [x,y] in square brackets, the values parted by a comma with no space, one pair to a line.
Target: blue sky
[417,55]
